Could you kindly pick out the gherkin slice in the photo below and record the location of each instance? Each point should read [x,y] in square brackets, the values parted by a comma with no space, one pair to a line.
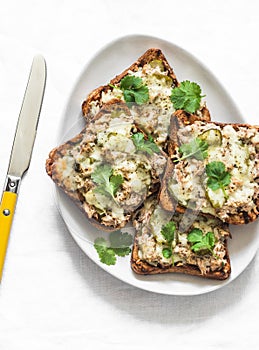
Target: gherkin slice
[213,137]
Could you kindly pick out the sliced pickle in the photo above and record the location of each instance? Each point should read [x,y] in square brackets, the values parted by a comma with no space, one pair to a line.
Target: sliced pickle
[212,136]
[216,198]
[158,63]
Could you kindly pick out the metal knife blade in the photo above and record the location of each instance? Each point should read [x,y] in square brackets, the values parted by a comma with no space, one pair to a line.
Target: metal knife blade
[28,119]
[22,149]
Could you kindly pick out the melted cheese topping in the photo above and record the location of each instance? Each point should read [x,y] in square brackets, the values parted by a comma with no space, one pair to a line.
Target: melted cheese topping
[65,166]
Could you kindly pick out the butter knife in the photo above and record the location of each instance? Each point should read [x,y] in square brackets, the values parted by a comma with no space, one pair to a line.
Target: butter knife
[22,149]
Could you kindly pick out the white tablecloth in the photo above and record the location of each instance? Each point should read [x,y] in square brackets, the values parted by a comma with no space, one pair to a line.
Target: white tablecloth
[52,295]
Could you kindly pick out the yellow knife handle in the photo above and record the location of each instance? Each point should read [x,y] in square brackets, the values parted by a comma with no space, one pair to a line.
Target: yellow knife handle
[7,209]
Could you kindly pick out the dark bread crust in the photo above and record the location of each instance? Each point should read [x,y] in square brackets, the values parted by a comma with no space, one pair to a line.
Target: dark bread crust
[141,267]
[150,55]
[54,156]
[168,202]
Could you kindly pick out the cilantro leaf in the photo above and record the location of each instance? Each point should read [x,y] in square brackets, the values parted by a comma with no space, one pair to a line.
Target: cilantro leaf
[119,245]
[218,177]
[122,251]
[106,254]
[107,257]
[115,182]
[199,247]
[187,96]
[131,82]
[143,145]
[196,148]
[167,253]
[168,231]
[195,235]
[210,239]
[101,174]
[134,90]
[106,181]
[100,243]
[120,239]
[200,242]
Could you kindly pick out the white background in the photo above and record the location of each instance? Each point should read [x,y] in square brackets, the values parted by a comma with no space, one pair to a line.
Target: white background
[52,296]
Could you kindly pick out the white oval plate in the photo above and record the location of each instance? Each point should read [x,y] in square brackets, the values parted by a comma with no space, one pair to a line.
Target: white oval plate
[110,61]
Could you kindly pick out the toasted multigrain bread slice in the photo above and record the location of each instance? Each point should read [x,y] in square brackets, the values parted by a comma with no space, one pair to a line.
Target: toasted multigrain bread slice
[105,147]
[150,55]
[185,181]
[148,253]
[154,116]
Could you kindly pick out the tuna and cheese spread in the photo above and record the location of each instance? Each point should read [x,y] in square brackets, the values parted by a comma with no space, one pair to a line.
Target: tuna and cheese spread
[237,149]
[156,250]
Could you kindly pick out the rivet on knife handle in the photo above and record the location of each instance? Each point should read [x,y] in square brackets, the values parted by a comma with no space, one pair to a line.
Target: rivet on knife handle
[7,208]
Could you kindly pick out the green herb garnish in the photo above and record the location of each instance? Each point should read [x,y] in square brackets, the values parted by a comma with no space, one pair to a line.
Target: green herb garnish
[187,96]
[120,242]
[196,148]
[168,231]
[119,245]
[201,242]
[218,177]
[143,145]
[106,254]
[108,184]
[134,90]
[167,253]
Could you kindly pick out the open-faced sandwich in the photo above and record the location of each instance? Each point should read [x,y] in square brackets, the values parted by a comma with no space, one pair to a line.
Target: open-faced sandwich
[173,242]
[109,169]
[213,169]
